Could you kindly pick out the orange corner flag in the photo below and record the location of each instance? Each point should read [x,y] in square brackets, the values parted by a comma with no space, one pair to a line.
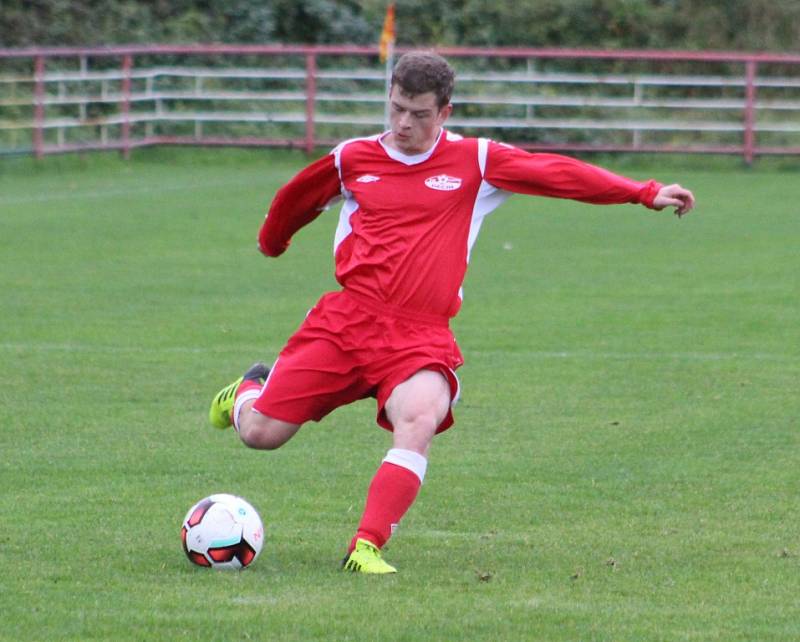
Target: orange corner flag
[387,35]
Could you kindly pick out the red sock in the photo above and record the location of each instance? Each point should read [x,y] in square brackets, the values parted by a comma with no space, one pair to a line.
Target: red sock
[248,384]
[390,495]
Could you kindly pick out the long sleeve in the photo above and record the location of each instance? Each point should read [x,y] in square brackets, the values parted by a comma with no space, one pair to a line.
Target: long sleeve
[298,203]
[515,170]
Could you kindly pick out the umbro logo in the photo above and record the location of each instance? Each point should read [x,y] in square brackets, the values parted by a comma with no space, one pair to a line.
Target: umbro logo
[367,178]
[443,183]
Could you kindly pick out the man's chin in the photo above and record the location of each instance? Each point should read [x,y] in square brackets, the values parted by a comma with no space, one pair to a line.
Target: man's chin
[405,145]
[409,149]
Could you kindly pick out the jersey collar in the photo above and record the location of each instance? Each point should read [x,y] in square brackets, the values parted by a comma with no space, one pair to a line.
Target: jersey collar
[415,159]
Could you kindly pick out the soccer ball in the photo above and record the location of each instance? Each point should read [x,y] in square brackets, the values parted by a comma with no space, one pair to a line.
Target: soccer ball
[222,531]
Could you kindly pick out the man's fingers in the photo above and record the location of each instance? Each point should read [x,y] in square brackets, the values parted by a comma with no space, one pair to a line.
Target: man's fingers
[686,200]
[676,196]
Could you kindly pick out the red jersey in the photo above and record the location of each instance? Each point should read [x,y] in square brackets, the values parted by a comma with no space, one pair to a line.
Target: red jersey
[408,222]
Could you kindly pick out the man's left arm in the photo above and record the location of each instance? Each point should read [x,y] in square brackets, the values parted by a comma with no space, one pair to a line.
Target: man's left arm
[512,169]
[298,203]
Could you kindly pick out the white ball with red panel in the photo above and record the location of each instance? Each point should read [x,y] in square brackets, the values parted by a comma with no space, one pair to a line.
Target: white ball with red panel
[222,531]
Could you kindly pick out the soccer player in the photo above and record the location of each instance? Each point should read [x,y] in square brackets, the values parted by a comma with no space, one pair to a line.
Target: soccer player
[414,200]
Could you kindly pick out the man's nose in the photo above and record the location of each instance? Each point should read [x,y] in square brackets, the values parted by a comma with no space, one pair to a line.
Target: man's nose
[405,120]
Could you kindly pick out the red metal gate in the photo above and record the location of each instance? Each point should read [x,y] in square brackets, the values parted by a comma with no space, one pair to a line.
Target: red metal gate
[303,96]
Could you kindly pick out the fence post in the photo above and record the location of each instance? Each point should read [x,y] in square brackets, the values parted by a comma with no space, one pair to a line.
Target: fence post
[125,106]
[750,111]
[311,93]
[38,108]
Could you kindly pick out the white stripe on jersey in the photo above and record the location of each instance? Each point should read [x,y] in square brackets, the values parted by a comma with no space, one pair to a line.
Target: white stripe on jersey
[343,228]
[489,198]
[483,152]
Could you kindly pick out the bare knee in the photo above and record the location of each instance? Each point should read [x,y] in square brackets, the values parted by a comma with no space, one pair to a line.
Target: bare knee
[415,432]
[416,408]
[423,423]
[265,433]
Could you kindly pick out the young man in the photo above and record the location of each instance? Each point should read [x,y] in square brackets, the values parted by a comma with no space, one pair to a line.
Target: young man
[414,200]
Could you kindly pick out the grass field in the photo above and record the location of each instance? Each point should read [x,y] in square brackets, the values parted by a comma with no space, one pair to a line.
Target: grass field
[625,464]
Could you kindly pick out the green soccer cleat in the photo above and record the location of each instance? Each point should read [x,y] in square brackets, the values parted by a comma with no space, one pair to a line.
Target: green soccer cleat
[221,411]
[366,558]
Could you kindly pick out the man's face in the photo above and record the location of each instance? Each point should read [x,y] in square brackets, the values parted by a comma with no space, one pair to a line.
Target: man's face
[415,122]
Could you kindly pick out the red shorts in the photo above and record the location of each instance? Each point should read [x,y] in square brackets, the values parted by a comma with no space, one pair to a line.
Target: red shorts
[350,348]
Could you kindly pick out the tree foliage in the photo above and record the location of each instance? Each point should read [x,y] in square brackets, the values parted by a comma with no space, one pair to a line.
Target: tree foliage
[675,24]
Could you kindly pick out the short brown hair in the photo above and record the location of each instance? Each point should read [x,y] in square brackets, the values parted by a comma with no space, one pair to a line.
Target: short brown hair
[419,72]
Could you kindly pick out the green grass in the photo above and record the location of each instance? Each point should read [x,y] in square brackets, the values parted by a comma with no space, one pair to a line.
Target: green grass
[625,463]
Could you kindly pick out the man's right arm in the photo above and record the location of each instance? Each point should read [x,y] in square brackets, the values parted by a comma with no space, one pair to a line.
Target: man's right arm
[514,170]
[298,203]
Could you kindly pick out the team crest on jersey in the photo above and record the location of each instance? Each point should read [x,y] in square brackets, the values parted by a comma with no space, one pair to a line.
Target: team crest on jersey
[443,183]
[367,178]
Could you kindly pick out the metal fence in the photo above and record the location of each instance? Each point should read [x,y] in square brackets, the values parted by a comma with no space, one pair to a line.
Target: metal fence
[66,99]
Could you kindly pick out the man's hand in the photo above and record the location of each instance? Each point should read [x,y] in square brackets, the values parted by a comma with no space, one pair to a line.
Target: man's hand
[674,196]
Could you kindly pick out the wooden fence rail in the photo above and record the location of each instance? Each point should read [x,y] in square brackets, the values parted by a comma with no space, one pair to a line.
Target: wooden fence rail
[65,99]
